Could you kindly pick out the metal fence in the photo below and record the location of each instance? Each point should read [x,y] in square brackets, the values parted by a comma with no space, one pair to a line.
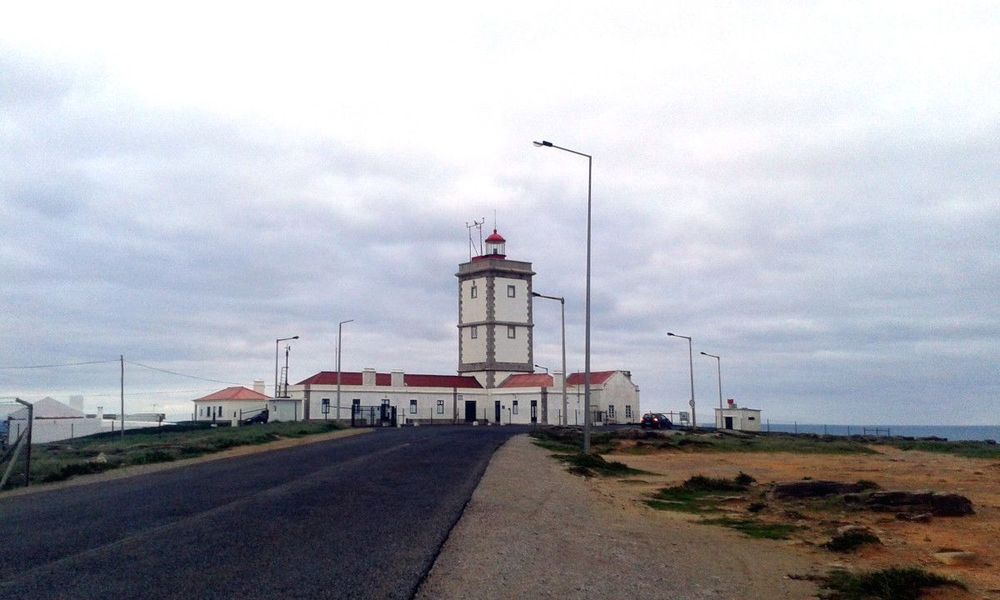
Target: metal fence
[373,416]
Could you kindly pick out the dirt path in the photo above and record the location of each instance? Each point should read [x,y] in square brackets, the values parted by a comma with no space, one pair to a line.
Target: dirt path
[177,464]
[532,530]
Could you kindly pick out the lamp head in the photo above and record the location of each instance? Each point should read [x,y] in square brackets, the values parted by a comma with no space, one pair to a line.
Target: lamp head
[542,143]
[670,334]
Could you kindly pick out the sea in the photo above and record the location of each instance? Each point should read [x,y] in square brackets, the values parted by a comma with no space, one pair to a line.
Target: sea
[950,432]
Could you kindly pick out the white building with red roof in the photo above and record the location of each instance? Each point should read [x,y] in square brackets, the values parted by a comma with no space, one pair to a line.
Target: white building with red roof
[496,382]
[236,402]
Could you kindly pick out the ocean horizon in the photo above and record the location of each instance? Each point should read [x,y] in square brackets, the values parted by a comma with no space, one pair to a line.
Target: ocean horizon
[951,432]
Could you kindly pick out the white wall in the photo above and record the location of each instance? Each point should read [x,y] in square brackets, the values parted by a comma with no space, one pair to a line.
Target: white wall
[473,350]
[511,309]
[230,409]
[52,430]
[511,350]
[473,309]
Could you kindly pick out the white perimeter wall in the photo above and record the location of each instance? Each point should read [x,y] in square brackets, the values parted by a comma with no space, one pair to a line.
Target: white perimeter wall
[53,430]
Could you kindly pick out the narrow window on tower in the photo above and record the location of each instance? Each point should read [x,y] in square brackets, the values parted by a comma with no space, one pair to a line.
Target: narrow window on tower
[510,291]
[511,331]
[474,291]
[474,332]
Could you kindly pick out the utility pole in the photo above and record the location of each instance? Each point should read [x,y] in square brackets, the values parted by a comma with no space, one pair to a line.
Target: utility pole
[122,359]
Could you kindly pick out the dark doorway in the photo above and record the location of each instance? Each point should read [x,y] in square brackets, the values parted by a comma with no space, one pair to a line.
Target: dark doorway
[534,411]
[496,413]
[470,411]
[729,422]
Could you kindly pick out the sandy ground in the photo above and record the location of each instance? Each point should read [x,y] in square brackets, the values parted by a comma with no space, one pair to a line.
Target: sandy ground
[532,530]
[904,543]
[177,464]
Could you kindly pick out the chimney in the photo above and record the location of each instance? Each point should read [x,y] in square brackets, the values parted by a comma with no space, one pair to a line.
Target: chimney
[258,386]
[397,378]
[557,378]
[368,378]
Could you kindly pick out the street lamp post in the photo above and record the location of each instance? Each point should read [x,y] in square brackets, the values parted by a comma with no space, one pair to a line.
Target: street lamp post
[694,419]
[340,327]
[541,367]
[562,306]
[586,347]
[276,342]
[718,364]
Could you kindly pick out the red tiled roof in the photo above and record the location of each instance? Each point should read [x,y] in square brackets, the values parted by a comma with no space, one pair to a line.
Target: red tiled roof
[596,377]
[234,393]
[495,238]
[385,380]
[528,380]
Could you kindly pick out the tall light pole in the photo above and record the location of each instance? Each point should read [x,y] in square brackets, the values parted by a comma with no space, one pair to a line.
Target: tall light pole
[586,347]
[340,327]
[562,306]
[718,364]
[694,419]
[276,342]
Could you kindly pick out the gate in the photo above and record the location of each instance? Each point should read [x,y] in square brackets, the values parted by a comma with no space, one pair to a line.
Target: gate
[373,416]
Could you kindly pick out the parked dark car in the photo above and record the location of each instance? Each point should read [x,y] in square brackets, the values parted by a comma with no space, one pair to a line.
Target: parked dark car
[656,421]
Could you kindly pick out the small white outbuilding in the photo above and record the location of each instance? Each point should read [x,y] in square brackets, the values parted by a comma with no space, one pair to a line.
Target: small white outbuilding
[737,418]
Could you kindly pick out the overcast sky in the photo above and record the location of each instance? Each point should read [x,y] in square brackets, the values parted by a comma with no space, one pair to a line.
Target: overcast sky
[810,190]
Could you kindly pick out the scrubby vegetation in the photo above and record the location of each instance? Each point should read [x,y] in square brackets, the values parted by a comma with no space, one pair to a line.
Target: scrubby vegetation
[888,584]
[61,460]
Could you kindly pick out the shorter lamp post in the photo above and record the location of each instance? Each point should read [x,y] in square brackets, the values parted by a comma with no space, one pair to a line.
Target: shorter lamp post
[718,364]
[694,419]
[276,342]
[562,306]
[340,327]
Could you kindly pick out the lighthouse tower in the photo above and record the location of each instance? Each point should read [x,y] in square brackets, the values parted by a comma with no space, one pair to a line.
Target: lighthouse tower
[494,315]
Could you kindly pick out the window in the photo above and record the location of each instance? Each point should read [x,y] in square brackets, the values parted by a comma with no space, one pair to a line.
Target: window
[514,407]
[511,331]
[413,407]
[356,402]
[474,332]
[611,411]
[220,411]
[510,291]
[628,411]
[474,291]
[385,402]
[440,407]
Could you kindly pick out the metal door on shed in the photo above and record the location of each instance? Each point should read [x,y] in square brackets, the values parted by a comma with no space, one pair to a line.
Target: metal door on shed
[470,411]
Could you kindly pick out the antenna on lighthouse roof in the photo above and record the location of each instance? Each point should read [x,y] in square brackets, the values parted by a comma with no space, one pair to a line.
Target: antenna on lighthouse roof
[472,244]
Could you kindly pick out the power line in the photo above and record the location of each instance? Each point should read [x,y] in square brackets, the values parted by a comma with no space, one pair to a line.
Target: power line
[181,374]
[76,364]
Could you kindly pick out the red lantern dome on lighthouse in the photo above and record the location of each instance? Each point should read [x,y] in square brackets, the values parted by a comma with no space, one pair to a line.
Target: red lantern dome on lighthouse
[495,246]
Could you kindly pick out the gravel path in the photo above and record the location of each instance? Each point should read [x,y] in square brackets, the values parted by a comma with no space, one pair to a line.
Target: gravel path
[532,530]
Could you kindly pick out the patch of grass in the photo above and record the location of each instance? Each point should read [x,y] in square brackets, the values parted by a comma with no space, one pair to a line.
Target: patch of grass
[895,583]
[591,464]
[61,460]
[554,446]
[698,493]
[740,483]
[754,529]
[968,449]
[850,541]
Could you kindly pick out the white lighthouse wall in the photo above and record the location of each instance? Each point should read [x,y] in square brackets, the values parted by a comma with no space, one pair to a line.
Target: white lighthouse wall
[473,309]
[511,350]
[507,308]
[474,349]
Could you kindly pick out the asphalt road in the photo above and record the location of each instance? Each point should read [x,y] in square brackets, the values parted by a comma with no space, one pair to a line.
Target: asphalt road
[359,517]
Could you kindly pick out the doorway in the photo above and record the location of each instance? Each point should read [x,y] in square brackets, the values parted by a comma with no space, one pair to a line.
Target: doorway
[470,411]
[496,411]
[729,422]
